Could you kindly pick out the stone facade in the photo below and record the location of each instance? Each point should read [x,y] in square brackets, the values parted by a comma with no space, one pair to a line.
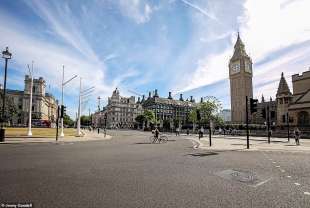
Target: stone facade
[240,75]
[168,110]
[44,105]
[120,112]
[299,108]
[293,107]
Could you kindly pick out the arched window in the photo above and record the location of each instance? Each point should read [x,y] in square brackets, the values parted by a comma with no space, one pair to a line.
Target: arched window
[303,118]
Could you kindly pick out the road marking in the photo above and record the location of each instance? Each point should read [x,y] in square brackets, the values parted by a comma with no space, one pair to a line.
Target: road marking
[289,176]
[282,170]
[274,162]
[278,166]
[307,193]
[297,184]
[261,183]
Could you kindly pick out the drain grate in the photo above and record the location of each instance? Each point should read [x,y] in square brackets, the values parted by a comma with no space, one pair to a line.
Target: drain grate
[242,176]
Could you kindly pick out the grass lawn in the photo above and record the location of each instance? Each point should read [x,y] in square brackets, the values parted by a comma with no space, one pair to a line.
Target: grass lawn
[38,132]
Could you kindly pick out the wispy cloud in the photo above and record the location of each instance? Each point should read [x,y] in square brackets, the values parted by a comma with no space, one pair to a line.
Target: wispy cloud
[199,9]
[138,10]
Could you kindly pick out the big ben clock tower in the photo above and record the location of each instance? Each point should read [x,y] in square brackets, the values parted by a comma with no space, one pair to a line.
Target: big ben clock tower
[240,75]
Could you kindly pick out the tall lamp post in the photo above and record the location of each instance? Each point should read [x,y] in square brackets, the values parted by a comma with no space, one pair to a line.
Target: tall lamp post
[30,100]
[63,83]
[6,55]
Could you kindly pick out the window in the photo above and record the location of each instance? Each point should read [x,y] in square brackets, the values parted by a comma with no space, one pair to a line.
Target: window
[33,89]
[283,119]
[32,108]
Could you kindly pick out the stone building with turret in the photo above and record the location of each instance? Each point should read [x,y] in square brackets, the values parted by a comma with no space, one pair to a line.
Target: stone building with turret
[292,107]
[168,111]
[44,105]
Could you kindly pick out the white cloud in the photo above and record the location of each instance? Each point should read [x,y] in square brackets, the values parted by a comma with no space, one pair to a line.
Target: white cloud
[137,10]
[266,27]
[201,10]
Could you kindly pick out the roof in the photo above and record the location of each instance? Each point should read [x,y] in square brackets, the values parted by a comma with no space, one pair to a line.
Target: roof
[239,51]
[167,101]
[283,88]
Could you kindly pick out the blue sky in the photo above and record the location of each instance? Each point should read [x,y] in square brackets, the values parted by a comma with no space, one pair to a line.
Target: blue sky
[181,46]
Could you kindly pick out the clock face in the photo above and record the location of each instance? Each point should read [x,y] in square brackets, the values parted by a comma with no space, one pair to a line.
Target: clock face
[235,67]
[248,67]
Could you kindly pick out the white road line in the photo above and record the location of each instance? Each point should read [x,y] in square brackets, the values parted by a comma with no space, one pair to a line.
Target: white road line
[289,176]
[274,162]
[307,193]
[278,166]
[297,184]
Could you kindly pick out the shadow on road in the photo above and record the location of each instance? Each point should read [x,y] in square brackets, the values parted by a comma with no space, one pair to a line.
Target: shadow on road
[203,154]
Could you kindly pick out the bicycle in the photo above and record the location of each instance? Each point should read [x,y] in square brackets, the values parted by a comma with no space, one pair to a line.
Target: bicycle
[160,139]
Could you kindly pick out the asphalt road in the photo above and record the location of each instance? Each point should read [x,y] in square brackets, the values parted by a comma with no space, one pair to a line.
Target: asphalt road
[129,172]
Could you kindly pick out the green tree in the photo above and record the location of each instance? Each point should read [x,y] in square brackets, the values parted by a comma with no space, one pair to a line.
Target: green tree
[68,121]
[140,119]
[209,110]
[150,117]
[193,117]
[10,109]
[85,120]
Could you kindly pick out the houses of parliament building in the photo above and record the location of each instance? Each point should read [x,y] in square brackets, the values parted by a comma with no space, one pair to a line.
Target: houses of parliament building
[289,106]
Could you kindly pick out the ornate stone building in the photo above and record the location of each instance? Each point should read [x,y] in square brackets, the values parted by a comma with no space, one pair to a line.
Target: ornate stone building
[293,107]
[44,105]
[120,112]
[240,75]
[168,110]
[299,107]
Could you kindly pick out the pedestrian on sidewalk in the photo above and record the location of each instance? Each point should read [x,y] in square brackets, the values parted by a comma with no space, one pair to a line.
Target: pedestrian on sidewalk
[187,131]
[297,133]
[98,130]
[177,131]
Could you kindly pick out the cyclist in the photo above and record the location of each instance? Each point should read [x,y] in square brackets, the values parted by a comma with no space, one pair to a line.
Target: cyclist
[156,133]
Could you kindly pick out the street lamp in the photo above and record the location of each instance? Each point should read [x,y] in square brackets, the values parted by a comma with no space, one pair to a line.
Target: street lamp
[6,55]
[30,99]
[63,83]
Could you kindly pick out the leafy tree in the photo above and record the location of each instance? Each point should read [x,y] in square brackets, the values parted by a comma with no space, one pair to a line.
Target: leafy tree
[68,121]
[209,110]
[10,109]
[193,117]
[140,119]
[150,116]
[85,120]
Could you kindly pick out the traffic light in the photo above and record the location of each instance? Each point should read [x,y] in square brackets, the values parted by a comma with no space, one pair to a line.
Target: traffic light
[253,105]
[63,111]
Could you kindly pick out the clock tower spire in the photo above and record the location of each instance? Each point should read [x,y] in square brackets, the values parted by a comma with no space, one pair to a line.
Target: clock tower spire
[240,76]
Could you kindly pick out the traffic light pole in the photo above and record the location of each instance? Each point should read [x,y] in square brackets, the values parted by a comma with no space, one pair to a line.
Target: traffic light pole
[247,124]
[268,124]
[57,123]
[288,127]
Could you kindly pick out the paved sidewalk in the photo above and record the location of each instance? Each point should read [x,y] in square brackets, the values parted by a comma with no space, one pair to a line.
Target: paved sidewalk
[238,143]
[89,136]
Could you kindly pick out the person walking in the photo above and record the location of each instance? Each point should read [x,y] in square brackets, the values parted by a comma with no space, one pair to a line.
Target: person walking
[297,135]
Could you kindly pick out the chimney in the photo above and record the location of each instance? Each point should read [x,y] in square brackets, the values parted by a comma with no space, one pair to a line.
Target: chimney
[150,94]
[263,99]
[201,99]
[181,97]
[191,99]
[170,97]
[143,98]
[270,98]
[156,93]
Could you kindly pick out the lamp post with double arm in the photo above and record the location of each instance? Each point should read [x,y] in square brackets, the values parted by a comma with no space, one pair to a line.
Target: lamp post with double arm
[6,55]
